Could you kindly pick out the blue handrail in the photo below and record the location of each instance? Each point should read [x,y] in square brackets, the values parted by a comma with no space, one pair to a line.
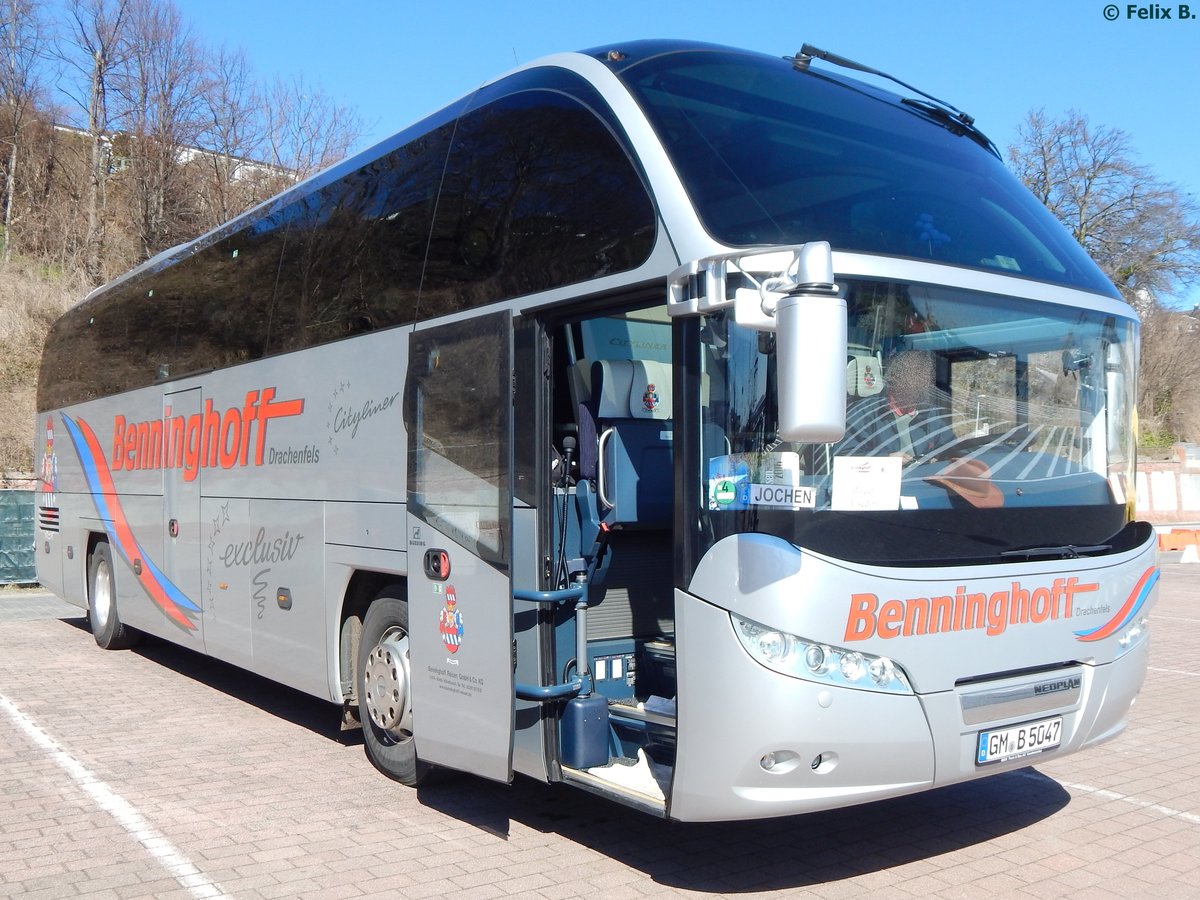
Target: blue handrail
[575,592]
[548,692]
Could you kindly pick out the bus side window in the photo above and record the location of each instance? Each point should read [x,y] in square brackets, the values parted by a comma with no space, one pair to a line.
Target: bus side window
[525,204]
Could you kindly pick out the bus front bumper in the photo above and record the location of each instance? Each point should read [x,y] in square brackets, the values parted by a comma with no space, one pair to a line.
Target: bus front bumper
[753,743]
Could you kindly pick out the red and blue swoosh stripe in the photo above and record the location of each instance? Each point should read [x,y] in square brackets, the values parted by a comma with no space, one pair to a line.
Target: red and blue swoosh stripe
[1129,609]
[174,602]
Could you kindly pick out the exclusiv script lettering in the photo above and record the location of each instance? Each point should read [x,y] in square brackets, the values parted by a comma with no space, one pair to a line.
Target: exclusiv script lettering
[262,550]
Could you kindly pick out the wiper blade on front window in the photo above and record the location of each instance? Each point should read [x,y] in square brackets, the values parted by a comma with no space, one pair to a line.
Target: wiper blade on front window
[959,123]
[946,114]
[1067,551]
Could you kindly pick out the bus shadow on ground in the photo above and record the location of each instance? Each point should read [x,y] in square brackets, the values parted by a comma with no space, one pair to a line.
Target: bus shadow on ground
[768,854]
[318,716]
[723,857]
[281,701]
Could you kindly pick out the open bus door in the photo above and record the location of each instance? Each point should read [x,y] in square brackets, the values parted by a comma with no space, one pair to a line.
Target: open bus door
[458,407]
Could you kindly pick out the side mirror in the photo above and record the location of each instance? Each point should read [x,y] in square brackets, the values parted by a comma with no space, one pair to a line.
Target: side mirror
[811,348]
[801,306]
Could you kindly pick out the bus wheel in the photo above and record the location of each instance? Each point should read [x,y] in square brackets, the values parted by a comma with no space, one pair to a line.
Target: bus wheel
[108,629]
[384,692]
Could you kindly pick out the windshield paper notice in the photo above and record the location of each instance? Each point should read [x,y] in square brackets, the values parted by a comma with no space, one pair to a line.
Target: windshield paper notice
[866,482]
[745,480]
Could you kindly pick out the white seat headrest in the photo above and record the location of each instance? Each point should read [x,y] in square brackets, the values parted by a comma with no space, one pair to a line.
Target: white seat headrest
[615,380]
[633,389]
[650,391]
[864,376]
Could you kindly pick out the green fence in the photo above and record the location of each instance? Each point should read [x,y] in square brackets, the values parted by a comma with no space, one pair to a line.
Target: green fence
[17,538]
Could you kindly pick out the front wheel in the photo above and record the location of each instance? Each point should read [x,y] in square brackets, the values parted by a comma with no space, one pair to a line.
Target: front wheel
[384,692]
[107,628]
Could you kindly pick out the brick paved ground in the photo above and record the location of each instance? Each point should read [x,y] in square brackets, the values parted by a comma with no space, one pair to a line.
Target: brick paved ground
[157,773]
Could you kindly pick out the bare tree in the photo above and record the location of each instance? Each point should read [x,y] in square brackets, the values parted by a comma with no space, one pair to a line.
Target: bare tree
[235,134]
[97,49]
[165,139]
[50,194]
[163,90]
[1169,383]
[1143,232]
[308,130]
[21,46]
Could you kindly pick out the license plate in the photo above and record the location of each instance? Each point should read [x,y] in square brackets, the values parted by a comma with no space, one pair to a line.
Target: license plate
[1003,744]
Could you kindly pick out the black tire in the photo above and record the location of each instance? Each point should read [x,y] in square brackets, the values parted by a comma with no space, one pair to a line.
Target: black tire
[107,628]
[384,699]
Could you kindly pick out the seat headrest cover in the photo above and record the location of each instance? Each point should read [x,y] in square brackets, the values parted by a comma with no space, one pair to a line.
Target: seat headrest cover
[864,376]
[650,391]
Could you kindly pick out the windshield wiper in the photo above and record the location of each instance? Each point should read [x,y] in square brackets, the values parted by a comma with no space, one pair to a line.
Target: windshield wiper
[941,112]
[1067,551]
[954,122]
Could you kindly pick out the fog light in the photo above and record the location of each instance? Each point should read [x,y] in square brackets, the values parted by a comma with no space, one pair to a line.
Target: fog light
[824,763]
[768,761]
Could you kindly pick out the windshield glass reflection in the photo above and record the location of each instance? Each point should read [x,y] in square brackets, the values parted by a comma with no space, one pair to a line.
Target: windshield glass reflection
[956,402]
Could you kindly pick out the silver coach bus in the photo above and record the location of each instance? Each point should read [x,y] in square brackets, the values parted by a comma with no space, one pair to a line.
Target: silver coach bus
[708,430]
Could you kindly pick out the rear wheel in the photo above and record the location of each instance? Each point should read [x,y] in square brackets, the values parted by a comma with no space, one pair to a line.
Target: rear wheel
[384,691]
[108,629]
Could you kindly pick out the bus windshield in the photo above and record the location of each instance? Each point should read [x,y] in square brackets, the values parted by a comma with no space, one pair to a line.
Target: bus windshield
[770,155]
[977,425]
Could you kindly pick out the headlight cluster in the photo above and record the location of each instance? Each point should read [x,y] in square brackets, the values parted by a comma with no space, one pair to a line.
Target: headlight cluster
[802,658]
[1134,634]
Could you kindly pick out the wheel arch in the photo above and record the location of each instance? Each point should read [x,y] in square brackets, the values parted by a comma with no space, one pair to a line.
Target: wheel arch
[104,617]
[94,538]
[361,590]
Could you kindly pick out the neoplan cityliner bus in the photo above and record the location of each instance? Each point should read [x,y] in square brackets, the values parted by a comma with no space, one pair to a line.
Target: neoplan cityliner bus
[707,430]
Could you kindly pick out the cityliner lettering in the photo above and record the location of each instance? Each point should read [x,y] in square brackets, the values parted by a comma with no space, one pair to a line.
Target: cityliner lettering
[964,611]
[206,439]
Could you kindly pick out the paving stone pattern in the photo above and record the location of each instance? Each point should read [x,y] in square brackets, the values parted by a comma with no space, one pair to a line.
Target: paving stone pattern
[255,792]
